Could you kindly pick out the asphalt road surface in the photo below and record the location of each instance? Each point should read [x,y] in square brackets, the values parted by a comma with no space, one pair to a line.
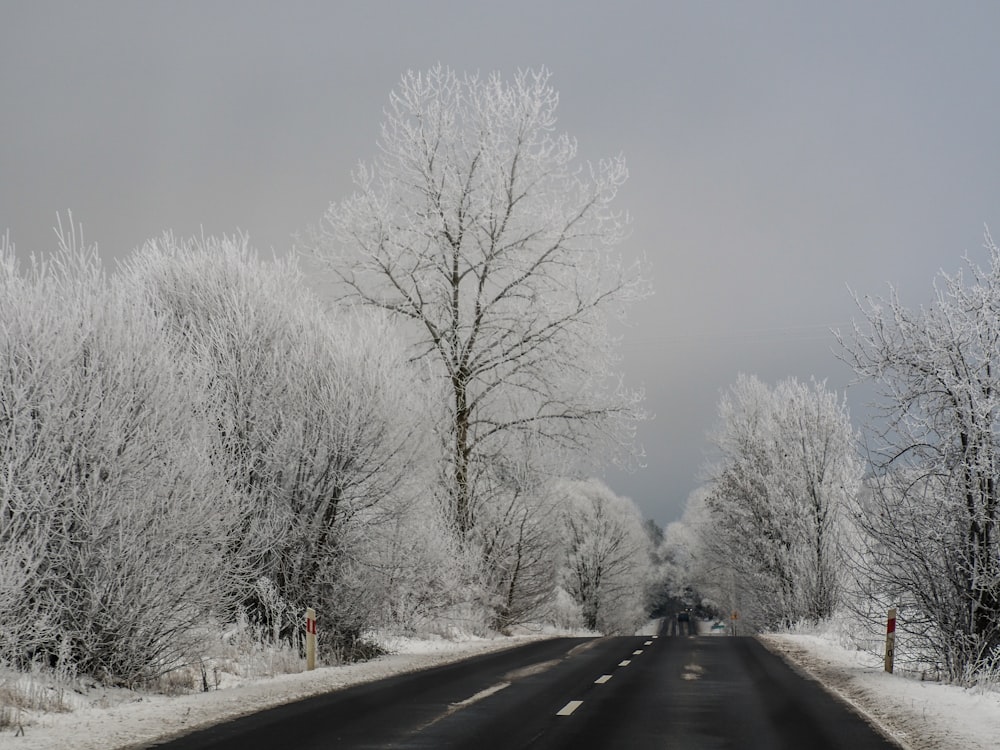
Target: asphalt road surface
[685,692]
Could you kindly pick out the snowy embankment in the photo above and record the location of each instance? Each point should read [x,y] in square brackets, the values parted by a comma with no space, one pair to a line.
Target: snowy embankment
[919,715]
[116,719]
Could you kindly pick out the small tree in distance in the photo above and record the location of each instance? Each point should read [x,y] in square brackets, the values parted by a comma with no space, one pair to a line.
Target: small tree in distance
[478,225]
[785,473]
[607,561]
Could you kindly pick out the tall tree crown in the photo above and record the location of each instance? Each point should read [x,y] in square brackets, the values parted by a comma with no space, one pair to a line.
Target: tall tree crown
[478,224]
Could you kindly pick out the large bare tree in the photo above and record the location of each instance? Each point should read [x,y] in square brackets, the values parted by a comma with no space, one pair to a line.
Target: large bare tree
[479,225]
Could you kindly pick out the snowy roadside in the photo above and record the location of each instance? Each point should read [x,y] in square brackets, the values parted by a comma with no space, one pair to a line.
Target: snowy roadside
[118,719]
[918,715]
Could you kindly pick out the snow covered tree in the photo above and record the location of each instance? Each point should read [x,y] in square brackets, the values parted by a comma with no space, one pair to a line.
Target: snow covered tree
[680,556]
[517,551]
[932,519]
[786,469]
[821,475]
[607,564]
[478,225]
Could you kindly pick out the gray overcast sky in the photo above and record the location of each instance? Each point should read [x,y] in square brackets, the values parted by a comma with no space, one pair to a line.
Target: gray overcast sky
[780,152]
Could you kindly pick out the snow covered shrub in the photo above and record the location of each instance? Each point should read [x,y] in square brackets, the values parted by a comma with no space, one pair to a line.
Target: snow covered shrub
[314,421]
[415,569]
[110,523]
[516,547]
[565,612]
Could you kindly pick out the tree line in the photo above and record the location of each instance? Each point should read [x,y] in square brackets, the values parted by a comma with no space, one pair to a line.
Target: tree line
[195,437]
[803,518]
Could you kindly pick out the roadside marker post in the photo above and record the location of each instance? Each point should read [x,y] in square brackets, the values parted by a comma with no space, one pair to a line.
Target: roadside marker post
[890,640]
[310,639]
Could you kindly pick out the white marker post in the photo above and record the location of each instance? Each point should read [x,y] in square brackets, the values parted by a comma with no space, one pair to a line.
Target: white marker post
[310,639]
[890,640]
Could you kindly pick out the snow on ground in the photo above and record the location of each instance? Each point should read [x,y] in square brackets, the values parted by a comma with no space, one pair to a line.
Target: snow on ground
[107,719]
[919,715]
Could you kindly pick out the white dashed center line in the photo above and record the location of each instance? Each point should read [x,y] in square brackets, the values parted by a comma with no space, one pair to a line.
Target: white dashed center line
[624,663]
[569,708]
[602,679]
[648,643]
[637,652]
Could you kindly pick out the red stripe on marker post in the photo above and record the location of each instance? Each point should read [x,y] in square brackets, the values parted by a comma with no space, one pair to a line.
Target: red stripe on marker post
[890,640]
[310,639]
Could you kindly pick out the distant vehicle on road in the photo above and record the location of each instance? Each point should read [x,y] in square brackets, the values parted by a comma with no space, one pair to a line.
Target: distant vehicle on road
[683,624]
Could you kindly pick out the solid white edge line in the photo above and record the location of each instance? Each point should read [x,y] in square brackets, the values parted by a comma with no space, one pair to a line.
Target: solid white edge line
[569,708]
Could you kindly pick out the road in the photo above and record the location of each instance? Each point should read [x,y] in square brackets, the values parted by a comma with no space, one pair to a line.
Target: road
[684,692]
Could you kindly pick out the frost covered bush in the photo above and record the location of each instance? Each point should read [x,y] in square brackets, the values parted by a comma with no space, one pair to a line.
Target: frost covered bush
[315,425]
[516,553]
[417,572]
[188,438]
[565,611]
[111,522]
